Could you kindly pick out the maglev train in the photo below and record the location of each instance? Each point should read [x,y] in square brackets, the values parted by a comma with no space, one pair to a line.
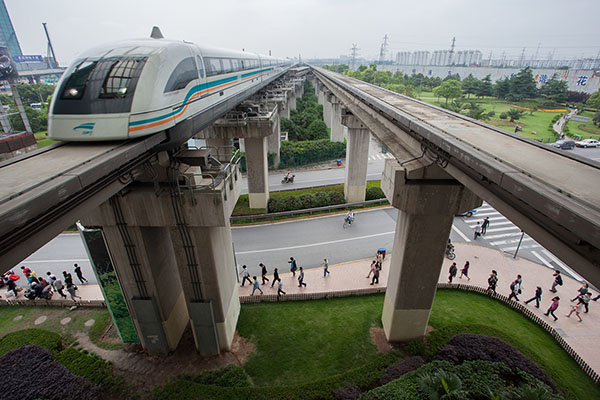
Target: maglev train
[139,87]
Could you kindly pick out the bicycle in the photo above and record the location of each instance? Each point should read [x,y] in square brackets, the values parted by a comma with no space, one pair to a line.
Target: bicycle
[348,222]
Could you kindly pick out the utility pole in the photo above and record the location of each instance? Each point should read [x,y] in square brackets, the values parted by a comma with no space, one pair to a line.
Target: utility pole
[50,45]
[383,49]
[353,56]
[451,58]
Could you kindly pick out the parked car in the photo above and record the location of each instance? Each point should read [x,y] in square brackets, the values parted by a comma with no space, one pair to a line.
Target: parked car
[467,213]
[565,144]
[588,143]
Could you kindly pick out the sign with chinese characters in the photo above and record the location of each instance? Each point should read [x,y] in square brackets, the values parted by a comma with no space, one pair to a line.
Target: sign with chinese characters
[28,58]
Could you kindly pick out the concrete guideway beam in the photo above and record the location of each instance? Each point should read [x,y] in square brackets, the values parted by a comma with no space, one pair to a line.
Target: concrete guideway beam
[427,199]
[543,191]
[357,158]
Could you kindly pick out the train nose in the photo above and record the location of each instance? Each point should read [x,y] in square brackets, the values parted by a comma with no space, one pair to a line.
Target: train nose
[87,128]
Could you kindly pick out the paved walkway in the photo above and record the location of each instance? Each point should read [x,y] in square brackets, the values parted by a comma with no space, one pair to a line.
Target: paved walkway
[582,337]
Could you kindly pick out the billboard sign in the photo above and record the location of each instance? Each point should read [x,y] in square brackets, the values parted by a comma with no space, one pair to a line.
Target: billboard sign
[28,58]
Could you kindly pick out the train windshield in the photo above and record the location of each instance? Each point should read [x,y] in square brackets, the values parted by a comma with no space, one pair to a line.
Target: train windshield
[118,78]
[75,85]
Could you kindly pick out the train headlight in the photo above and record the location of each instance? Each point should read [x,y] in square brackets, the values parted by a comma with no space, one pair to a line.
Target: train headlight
[72,92]
[122,92]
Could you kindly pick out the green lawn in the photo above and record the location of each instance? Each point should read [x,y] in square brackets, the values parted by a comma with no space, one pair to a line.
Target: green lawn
[299,342]
[584,130]
[43,140]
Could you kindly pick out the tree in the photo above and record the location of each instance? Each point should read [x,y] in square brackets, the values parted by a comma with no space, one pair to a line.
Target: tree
[455,77]
[485,87]
[522,85]
[317,130]
[555,90]
[382,77]
[373,67]
[594,100]
[502,88]
[341,68]
[450,89]
[477,112]
[514,114]
[470,85]
[362,68]
[596,118]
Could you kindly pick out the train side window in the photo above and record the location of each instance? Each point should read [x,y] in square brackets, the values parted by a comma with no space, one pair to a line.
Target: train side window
[184,73]
[213,66]
[118,78]
[227,67]
[75,85]
[200,66]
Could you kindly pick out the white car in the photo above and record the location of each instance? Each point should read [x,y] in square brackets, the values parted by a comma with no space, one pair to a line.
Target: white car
[588,143]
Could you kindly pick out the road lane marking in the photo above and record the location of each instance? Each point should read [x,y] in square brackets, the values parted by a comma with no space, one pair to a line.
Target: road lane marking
[563,266]
[315,244]
[462,235]
[506,228]
[53,261]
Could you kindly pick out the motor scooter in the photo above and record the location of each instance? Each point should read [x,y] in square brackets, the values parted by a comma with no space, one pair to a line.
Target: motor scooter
[288,179]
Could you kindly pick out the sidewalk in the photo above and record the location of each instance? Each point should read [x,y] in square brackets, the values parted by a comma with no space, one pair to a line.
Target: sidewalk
[582,337]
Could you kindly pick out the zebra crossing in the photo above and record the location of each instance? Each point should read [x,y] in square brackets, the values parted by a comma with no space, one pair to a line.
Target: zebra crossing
[380,156]
[506,236]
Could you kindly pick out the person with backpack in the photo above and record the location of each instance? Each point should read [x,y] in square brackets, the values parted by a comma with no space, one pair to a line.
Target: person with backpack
[263,273]
[537,297]
[245,275]
[515,289]
[557,281]
[275,277]
[293,265]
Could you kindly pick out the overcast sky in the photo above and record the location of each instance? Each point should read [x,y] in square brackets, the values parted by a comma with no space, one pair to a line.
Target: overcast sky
[318,28]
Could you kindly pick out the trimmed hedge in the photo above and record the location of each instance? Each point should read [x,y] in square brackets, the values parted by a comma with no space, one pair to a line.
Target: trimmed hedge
[306,152]
[374,193]
[363,378]
[307,200]
[90,366]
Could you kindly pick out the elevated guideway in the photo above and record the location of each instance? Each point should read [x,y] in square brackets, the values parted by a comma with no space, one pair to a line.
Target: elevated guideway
[553,196]
[43,192]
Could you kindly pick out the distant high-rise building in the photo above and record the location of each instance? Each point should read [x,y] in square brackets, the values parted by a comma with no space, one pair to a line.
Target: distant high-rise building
[8,37]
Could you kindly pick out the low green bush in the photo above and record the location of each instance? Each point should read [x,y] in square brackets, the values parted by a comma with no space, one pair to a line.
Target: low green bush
[306,152]
[365,378]
[374,193]
[307,200]
[49,340]
[503,115]
[90,366]
[275,205]
[321,199]
[336,198]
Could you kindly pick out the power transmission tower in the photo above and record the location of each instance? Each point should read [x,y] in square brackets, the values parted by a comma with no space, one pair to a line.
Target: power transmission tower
[383,49]
[522,57]
[451,58]
[50,48]
[353,55]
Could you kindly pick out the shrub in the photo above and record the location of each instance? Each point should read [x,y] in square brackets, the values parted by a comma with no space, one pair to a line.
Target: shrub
[336,198]
[321,199]
[348,392]
[305,152]
[229,376]
[275,205]
[48,340]
[89,366]
[395,371]
[307,200]
[503,115]
[374,193]
[491,114]
[468,347]
[292,203]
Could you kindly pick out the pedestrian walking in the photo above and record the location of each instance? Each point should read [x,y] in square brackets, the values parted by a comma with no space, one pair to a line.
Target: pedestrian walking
[515,289]
[465,271]
[581,291]
[280,289]
[293,265]
[484,225]
[477,231]
[255,286]
[585,301]
[51,277]
[375,278]
[493,281]
[71,289]
[79,274]
[325,266]
[379,259]
[11,285]
[301,278]
[575,308]
[67,278]
[557,281]
[275,277]
[263,273]
[537,297]
[452,272]
[553,307]
[245,275]
[58,286]
[372,268]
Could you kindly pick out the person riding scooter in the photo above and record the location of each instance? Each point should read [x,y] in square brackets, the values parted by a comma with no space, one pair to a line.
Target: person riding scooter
[288,178]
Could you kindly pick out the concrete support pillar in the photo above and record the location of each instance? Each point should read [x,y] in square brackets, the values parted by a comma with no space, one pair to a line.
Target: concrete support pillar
[274,141]
[427,199]
[320,94]
[292,100]
[357,157]
[257,167]
[337,130]
[327,111]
